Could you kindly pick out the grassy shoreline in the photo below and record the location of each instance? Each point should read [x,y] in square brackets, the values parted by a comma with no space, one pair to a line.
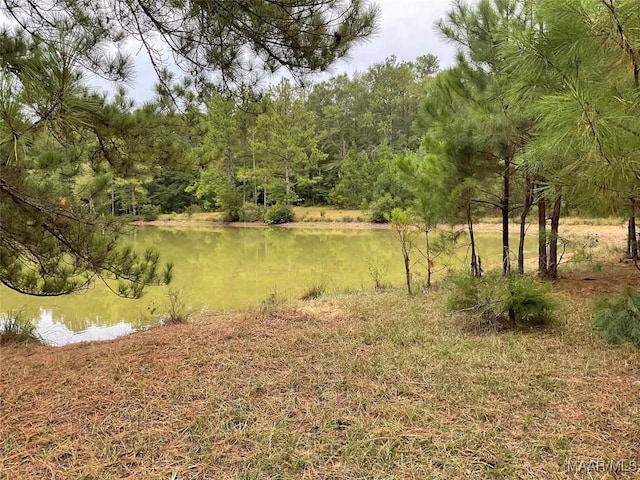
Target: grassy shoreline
[610,230]
[366,385]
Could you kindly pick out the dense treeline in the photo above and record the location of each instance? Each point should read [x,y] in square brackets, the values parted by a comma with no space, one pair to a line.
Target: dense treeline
[538,116]
[333,143]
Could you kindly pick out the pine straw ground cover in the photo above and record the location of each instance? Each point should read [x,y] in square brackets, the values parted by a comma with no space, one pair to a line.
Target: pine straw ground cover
[364,386]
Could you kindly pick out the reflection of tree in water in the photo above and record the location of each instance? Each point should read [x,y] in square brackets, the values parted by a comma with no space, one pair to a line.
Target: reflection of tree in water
[231,268]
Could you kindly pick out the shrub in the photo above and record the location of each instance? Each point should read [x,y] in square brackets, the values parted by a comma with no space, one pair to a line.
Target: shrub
[177,311]
[517,301]
[377,270]
[15,328]
[619,317]
[313,292]
[251,212]
[191,209]
[279,213]
[527,301]
[464,291]
[380,209]
[149,212]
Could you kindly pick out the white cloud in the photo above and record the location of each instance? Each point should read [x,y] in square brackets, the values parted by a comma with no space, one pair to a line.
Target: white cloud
[407,30]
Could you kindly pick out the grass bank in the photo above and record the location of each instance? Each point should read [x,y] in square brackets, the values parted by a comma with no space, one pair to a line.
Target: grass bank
[364,386]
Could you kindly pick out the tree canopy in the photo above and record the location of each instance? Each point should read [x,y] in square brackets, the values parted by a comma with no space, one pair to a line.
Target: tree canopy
[227,41]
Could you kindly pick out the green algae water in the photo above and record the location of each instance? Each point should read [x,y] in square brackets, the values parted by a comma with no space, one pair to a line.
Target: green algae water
[221,269]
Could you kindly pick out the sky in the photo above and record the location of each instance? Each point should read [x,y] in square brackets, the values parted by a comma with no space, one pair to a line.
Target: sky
[406,29]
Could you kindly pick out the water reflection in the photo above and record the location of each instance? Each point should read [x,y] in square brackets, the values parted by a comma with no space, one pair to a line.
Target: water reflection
[222,269]
[54,332]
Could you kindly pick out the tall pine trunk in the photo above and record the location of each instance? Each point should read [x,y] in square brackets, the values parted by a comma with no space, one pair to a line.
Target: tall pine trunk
[476,268]
[528,202]
[552,267]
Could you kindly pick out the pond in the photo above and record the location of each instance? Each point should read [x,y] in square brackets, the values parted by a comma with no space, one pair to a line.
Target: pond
[218,269]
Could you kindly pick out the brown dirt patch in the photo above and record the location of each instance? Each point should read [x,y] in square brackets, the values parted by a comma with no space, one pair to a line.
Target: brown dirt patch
[609,280]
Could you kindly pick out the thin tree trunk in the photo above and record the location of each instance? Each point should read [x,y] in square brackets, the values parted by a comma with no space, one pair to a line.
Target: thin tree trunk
[287,180]
[407,268]
[528,202]
[255,178]
[552,269]
[506,263]
[264,196]
[632,241]
[476,270]
[428,253]
[405,245]
[542,236]
[134,206]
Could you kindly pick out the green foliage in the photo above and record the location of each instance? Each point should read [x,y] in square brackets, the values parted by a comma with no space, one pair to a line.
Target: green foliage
[388,176]
[259,38]
[149,213]
[251,212]
[217,191]
[377,270]
[15,328]
[517,301]
[619,317]
[528,301]
[380,209]
[464,291]
[168,191]
[279,213]
[356,175]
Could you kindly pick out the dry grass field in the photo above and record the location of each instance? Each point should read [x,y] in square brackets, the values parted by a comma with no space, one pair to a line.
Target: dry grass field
[361,386]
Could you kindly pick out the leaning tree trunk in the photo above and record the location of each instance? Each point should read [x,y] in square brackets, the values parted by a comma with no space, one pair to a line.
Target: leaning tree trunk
[542,236]
[552,269]
[528,202]
[476,269]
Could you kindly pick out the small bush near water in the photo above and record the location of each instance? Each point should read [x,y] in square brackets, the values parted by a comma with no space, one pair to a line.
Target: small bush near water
[15,328]
[515,301]
[381,208]
[251,213]
[149,213]
[177,311]
[279,213]
[619,317]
